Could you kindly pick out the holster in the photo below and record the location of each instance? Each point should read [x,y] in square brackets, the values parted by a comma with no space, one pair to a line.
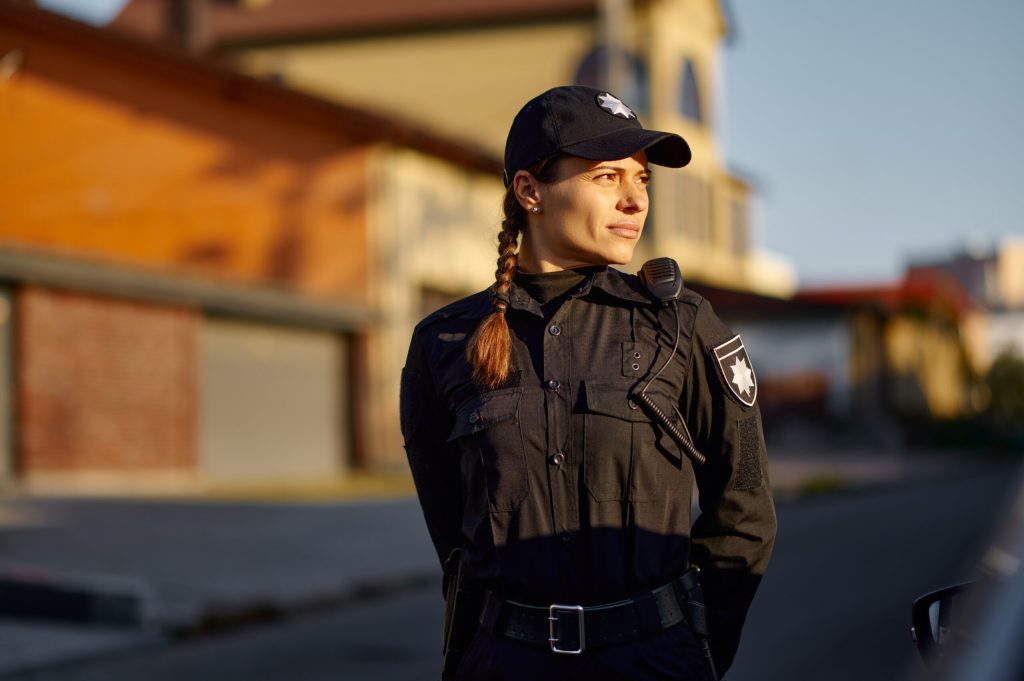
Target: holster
[462,605]
[692,598]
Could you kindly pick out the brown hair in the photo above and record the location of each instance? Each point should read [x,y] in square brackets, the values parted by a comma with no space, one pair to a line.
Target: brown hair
[490,349]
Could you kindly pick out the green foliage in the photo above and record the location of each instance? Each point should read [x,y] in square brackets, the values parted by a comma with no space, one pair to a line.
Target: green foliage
[1003,417]
[1005,383]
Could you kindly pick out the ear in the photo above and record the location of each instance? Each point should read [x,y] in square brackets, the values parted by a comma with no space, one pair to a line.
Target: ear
[527,189]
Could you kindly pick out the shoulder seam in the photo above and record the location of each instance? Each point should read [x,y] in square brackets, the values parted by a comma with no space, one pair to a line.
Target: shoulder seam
[691,298]
[455,309]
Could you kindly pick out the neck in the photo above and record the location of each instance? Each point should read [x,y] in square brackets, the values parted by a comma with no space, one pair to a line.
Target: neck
[533,263]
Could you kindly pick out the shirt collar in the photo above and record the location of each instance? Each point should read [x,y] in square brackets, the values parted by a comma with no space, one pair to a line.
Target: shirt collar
[608,280]
[620,285]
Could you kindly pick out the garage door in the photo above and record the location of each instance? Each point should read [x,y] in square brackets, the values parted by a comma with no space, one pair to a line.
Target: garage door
[273,402]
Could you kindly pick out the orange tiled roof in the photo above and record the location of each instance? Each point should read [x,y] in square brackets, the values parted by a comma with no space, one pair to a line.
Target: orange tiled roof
[922,289]
[352,122]
[280,19]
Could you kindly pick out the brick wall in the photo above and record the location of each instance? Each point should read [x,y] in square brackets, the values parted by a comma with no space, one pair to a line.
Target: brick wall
[104,384]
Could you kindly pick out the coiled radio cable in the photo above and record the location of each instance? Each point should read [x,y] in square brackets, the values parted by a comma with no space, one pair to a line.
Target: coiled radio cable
[681,437]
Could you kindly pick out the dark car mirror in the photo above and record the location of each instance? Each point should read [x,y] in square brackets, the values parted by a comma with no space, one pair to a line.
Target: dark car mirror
[942,621]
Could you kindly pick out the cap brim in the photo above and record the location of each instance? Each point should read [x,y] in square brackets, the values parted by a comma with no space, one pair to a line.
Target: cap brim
[663,148]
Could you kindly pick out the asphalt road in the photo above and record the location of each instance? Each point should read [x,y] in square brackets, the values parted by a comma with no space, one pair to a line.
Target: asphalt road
[834,606]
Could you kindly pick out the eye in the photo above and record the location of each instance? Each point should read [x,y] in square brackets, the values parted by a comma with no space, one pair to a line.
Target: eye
[644,179]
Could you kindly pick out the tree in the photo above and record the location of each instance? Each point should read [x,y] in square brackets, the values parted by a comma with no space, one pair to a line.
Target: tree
[1005,383]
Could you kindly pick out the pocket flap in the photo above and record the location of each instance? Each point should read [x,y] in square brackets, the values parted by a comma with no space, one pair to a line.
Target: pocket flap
[485,410]
[612,400]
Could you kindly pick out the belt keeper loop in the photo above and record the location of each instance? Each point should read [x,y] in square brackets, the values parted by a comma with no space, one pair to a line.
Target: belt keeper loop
[679,590]
[683,584]
[647,615]
[688,581]
[490,612]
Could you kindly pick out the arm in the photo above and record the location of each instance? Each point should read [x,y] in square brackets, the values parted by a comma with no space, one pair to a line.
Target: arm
[733,537]
[433,460]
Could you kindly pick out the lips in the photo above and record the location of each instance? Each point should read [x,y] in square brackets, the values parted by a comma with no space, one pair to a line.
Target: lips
[627,230]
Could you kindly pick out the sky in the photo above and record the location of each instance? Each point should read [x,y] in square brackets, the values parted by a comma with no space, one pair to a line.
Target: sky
[91,11]
[875,131]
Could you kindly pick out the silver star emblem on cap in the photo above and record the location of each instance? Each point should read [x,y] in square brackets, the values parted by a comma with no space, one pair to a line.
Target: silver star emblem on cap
[614,106]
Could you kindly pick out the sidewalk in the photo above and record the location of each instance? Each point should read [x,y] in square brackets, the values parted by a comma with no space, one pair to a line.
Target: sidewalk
[201,564]
[198,564]
[796,474]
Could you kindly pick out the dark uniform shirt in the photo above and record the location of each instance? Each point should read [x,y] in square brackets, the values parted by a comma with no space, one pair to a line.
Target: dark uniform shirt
[557,487]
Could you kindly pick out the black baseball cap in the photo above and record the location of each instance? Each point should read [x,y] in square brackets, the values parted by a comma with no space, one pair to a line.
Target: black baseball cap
[592,124]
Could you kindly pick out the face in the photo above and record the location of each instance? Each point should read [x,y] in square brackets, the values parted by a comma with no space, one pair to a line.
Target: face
[592,214]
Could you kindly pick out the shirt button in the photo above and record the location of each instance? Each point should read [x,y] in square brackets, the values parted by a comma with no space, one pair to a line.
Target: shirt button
[552,384]
[554,329]
[557,458]
[474,417]
[566,536]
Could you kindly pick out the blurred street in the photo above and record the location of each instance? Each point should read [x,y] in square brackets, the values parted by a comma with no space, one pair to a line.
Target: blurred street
[835,604]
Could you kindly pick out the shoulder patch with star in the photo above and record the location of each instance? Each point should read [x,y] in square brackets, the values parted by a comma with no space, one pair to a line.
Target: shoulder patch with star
[736,370]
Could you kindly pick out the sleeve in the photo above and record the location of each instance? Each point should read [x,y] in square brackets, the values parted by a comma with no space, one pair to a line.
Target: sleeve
[433,460]
[733,537]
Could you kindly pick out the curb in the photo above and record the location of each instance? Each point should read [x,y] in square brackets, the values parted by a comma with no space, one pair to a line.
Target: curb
[37,594]
[132,615]
[217,618]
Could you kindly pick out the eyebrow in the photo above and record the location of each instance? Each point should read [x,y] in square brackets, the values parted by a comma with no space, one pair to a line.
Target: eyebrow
[618,169]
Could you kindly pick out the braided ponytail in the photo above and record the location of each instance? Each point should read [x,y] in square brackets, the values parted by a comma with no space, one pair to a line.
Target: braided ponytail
[490,349]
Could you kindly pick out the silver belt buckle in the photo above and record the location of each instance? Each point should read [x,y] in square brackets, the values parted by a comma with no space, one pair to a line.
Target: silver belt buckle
[553,611]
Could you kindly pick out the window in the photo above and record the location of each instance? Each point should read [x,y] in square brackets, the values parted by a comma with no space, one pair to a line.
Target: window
[689,94]
[740,224]
[593,69]
[694,205]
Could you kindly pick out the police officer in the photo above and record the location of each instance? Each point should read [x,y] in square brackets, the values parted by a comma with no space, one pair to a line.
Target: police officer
[557,423]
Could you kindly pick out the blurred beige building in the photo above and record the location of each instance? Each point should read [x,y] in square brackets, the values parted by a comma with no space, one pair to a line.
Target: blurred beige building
[464,67]
[859,364]
[994,277]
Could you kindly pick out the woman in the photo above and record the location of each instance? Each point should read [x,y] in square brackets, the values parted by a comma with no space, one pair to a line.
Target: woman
[552,421]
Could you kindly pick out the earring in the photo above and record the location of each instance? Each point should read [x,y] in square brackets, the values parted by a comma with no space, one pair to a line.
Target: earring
[534,209]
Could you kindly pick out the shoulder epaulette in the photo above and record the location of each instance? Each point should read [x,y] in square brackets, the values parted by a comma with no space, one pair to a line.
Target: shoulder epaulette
[690,297]
[476,304]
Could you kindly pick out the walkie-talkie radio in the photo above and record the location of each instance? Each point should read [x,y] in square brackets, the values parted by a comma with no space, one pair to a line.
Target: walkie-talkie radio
[664,281]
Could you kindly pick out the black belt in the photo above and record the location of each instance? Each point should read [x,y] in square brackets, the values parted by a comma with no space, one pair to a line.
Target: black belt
[573,628]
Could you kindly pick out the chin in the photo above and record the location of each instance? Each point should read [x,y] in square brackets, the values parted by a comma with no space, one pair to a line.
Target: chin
[619,257]
[605,256]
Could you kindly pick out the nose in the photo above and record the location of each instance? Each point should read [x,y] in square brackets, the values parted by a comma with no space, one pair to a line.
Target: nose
[634,198]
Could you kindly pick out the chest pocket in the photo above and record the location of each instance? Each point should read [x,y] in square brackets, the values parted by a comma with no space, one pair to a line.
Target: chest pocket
[626,456]
[488,430]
